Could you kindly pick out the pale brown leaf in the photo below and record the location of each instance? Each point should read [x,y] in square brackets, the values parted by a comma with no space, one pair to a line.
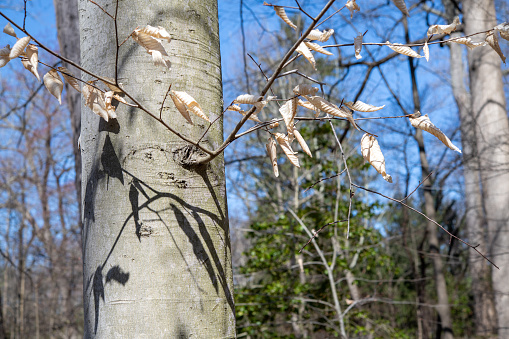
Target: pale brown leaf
[70,80]
[54,84]
[32,54]
[316,34]
[110,109]
[503,29]
[317,48]
[153,47]
[403,50]
[305,89]
[9,30]
[373,154]
[112,87]
[425,49]
[400,4]
[181,108]
[492,40]
[288,111]
[306,53]
[352,7]
[468,42]
[302,142]
[272,153]
[280,11]
[248,99]
[444,29]
[360,106]
[156,32]
[357,42]
[4,55]
[308,105]
[191,104]
[331,109]
[283,141]
[423,122]
[19,47]
[95,100]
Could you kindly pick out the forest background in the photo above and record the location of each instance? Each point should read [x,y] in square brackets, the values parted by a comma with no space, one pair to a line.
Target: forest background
[381,281]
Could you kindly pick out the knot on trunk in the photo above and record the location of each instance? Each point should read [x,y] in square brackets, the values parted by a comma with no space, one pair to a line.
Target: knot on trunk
[188,156]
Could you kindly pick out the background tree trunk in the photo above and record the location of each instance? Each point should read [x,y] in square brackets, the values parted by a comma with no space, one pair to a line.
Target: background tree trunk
[489,116]
[66,12]
[156,244]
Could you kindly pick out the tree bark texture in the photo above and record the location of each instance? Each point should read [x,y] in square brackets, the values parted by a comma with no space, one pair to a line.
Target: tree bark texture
[66,12]
[489,116]
[156,244]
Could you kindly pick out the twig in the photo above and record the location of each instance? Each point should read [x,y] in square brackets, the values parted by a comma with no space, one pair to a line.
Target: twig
[315,234]
[162,105]
[420,183]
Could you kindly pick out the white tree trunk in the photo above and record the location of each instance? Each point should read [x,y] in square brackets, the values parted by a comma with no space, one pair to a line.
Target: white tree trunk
[492,133]
[156,245]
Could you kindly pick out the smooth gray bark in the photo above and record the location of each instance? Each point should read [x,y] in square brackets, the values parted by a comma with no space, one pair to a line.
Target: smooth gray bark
[156,244]
[489,115]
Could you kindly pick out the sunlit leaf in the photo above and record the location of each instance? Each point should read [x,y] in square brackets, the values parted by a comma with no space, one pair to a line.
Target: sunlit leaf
[248,99]
[468,42]
[400,4]
[360,106]
[503,29]
[95,100]
[305,89]
[54,84]
[156,32]
[280,11]
[306,53]
[4,55]
[373,154]
[317,48]
[352,7]
[403,50]
[425,49]
[492,40]
[316,34]
[181,108]
[288,111]
[331,109]
[423,122]
[272,153]
[9,30]
[110,109]
[191,104]
[302,142]
[144,38]
[70,80]
[283,141]
[357,42]
[19,47]
[444,29]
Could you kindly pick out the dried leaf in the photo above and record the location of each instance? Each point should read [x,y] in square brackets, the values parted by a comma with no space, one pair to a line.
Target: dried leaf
[181,108]
[19,47]
[110,109]
[271,151]
[191,104]
[95,100]
[503,29]
[308,105]
[112,87]
[152,45]
[54,84]
[444,29]
[352,7]
[373,154]
[357,42]
[400,4]
[468,42]
[360,106]
[317,48]
[9,30]
[156,32]
[316,34]
[280,11]
[259,106]
[120,99]
[283,141]
[70,80]
[425,50]
[273,125]
[423,122]
[492,40]
[4,55]
[235,108]
[31,60]
[306,53]
[302,142]
[305,89]
[331,109]
[247,99]
[403,50]
[288,111]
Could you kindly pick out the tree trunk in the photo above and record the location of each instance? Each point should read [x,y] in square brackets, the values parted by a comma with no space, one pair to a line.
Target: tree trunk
[489,117]
[484,303]
[156,245]
[66,12]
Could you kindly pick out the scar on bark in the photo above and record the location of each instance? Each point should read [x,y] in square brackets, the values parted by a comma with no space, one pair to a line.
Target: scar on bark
[188,156]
